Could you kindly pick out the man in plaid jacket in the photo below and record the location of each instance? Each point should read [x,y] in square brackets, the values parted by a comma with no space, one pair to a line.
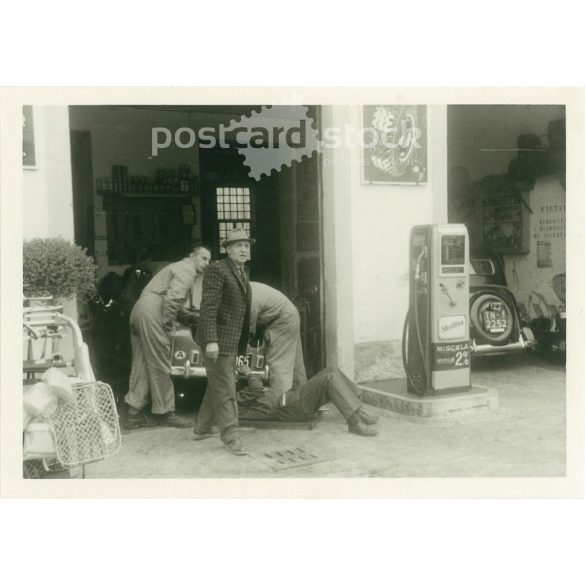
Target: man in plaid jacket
[223,332]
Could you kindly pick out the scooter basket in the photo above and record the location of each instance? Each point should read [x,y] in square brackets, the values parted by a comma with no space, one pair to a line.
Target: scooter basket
[87,428]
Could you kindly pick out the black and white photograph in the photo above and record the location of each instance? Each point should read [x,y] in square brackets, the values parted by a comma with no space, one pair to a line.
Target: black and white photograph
[213,290]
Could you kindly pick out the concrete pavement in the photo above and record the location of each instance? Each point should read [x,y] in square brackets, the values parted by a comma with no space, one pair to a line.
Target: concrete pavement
[524,437]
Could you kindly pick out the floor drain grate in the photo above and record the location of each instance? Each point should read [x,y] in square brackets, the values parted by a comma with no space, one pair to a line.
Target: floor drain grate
[289,457]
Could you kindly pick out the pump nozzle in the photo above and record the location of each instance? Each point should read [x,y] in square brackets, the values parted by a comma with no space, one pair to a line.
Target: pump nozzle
[422,255]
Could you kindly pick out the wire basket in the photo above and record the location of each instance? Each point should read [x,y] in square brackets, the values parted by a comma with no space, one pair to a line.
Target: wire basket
[87,428]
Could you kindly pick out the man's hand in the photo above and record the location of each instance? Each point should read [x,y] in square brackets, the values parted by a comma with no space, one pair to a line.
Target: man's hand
[188,317]
[212,351]
[244,370]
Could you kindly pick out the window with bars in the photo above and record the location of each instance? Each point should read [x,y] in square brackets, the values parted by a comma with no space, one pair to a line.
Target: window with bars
[234,210]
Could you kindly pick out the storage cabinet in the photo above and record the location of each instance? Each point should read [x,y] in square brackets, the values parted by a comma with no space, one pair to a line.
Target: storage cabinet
[147,227]
[504,223]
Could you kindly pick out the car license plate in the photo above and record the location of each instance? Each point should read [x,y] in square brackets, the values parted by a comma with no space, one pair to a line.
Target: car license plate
[244,360]
[495,321]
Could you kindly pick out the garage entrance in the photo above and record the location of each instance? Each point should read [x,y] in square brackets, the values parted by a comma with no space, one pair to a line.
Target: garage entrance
[134,207]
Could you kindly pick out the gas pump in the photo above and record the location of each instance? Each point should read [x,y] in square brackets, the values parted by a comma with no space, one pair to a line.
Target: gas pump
[435,341]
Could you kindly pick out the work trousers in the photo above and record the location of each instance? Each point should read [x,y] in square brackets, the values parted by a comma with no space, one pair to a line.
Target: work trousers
[219,404]
[150,378]
[284,353]
[330,384]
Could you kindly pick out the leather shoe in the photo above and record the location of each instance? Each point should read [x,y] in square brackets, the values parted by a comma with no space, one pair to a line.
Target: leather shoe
[198,436]
[137,421]
[356,426]
[368,417]
[170,419]
[236,447]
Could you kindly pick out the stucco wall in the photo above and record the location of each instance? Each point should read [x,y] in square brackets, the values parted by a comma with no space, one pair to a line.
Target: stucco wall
[366,250]
[47,188]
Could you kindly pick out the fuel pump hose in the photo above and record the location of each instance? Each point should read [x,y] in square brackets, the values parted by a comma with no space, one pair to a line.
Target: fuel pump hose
[406,332]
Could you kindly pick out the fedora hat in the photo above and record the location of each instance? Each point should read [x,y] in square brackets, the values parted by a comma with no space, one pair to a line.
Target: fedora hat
[237,235]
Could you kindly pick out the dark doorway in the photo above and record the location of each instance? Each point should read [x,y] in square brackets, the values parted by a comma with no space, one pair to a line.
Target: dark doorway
[82,179]
[230,198]
[284,217]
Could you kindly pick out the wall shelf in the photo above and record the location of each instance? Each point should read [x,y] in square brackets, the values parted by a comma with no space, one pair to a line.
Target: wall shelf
[159,194]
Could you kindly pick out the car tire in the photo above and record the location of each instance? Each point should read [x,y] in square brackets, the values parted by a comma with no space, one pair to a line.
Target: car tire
[475,315]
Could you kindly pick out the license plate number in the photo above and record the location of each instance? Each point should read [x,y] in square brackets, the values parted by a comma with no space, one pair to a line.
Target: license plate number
[495,321]
[244,360]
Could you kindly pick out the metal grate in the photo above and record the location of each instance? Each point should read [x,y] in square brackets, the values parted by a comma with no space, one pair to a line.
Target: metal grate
[87,428]
[291,457]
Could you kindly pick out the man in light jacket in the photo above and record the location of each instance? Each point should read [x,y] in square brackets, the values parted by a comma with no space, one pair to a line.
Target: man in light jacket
[152,323]
[280,321]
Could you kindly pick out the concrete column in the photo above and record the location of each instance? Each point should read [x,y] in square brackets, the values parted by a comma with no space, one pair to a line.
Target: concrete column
[338,258]
[437,152]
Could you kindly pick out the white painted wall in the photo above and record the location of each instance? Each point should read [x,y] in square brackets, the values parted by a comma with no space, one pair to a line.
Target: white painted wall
[47,188]
[367,229]
[382,217]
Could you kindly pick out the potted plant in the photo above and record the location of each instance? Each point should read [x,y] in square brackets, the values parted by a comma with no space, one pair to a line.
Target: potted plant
[58,268]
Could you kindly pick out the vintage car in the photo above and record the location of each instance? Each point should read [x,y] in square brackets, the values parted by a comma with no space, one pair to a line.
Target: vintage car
[187,357]
[495,323]
[110,339]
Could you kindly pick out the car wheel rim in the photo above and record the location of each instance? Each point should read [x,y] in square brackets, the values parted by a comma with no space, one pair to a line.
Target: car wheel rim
[492,318]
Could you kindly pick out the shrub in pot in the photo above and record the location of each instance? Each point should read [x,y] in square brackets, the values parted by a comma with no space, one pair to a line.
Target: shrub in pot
[58,268]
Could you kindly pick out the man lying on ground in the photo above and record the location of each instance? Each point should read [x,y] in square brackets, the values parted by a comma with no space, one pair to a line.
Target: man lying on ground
[256,402]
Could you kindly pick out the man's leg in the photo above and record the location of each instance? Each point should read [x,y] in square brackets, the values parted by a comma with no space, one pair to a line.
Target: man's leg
[344,393]
[138,391]
[206,414]
[219,403]
[281,353]
[299,374]
[330,384]
[303,403]
[347,388]
[156,346]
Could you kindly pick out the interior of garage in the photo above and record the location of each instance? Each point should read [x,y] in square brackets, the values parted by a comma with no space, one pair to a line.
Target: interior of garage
[506,183]
[134,207]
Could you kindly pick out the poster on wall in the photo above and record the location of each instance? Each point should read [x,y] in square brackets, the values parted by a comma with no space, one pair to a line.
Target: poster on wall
[395,144]
[543,255]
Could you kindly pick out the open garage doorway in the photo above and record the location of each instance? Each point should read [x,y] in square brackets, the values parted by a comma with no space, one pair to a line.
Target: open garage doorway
[507,184]
[134,206]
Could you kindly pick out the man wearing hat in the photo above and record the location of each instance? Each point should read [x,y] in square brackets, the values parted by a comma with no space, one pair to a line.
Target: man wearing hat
[223,332]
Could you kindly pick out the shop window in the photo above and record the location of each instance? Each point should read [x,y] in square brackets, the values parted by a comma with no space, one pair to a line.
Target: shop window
[234,210]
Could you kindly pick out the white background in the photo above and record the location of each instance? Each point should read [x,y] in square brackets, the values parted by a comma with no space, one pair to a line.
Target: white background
[301,43]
